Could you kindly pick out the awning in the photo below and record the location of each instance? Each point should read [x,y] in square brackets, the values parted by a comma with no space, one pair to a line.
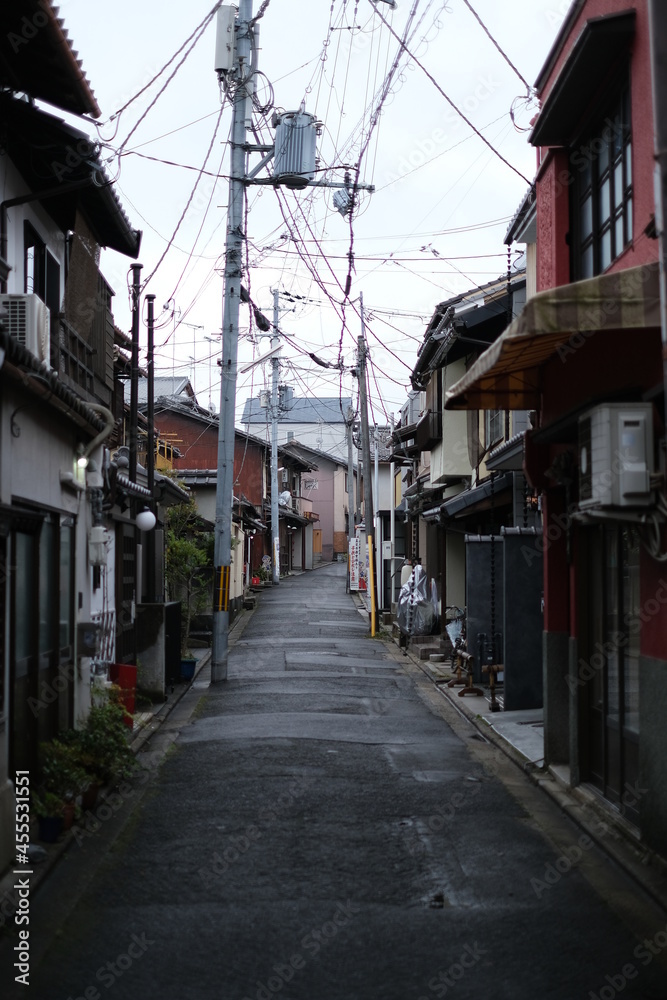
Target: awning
[603,41]
[490,491]
[507,375]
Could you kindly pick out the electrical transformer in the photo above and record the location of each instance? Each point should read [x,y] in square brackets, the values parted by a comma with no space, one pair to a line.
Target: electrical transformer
[295,148]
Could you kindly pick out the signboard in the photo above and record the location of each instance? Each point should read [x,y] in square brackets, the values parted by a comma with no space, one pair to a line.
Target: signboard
[354,550]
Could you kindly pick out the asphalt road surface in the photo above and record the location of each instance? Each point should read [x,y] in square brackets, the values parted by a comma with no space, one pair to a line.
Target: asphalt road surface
[325,826]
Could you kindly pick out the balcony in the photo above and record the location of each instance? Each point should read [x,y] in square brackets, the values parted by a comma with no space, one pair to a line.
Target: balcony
[428,431]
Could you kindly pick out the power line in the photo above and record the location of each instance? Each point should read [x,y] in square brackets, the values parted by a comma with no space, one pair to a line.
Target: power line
[452,104]
[189,201]
[502,52]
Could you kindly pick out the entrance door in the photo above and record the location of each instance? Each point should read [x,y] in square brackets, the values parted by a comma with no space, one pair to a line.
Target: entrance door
[611,746]
[317,545]
[41,634]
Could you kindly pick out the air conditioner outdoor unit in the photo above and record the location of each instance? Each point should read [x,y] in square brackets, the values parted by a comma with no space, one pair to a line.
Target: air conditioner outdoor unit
[28,321]
[616,456]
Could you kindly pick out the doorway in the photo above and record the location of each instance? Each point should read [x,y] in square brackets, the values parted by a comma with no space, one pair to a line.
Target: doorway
[610,666]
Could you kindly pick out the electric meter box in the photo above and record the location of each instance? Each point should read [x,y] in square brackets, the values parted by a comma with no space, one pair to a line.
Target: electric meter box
[295,149]
[616,456]
[224,39]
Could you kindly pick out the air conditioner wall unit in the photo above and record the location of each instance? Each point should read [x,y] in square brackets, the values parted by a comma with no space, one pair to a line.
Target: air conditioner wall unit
[28,320]
[616,456]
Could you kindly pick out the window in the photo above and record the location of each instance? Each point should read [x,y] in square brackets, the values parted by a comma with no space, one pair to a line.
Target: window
[493,427]
[601,223]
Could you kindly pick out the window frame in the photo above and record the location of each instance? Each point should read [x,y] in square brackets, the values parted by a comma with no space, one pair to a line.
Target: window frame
[491,418]
[602,201]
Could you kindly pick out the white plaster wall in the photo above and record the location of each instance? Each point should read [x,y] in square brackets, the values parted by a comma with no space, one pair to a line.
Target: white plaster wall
[450,456]
[13,186]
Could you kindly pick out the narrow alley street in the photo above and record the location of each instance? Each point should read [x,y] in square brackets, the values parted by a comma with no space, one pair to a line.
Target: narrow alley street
[326,826]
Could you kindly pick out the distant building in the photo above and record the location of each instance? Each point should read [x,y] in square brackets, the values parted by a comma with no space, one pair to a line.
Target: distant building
[318,423]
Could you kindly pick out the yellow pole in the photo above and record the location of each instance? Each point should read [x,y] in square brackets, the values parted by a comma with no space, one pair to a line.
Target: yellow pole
[371,582]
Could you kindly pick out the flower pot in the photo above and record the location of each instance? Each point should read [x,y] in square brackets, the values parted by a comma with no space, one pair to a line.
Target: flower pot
[188,664]
[50,828]
[89,797]
[69,812]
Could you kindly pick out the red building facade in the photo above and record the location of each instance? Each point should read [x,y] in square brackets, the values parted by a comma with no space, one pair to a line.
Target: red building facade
[586,357]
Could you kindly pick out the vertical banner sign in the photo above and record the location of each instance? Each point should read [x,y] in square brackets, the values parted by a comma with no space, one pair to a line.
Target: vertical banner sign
[354,563]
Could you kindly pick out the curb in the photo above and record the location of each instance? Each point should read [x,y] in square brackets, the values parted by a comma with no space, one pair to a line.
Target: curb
[152,725]
[618,840]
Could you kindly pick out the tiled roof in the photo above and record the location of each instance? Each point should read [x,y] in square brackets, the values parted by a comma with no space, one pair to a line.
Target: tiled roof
[300,411]
[37,57]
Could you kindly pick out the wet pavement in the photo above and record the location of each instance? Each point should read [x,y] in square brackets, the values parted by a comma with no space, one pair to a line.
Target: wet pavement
[325,826]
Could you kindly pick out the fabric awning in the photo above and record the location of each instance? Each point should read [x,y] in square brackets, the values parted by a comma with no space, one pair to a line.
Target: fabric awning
[507,375]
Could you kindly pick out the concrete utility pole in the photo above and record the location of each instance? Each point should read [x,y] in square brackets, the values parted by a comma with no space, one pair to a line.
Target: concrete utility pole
[366,451]
[350,477]
[376,513]
[658,22]
[230,325]
[236,66]
[275,512]
[151,595]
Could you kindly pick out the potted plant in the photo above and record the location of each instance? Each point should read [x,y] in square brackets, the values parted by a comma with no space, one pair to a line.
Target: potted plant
[48,808]
[90,764]
[63,781]
[188,571]
[104,743]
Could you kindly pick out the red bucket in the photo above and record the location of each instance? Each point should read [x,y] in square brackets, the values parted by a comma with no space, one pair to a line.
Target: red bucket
[125,676]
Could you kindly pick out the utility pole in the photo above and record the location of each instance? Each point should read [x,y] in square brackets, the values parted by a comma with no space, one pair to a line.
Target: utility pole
[275,513]
[658,23]
[350,477]
[366,451]
[150,450]
[392,515]
[236,66]
[376,514]
[134,432]
[230,326]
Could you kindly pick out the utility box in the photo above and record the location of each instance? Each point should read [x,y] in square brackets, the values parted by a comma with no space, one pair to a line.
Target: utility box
[295,148]
[225,39]
[616,456]
[88,638]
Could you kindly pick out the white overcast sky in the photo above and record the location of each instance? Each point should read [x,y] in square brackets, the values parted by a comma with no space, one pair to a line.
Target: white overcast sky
[417,240]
